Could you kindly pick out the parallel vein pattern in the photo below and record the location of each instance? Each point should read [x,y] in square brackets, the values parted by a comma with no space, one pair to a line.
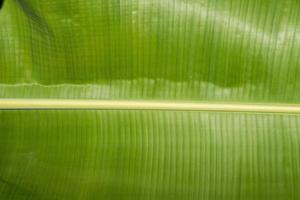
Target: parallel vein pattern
[229,50]
[148,155]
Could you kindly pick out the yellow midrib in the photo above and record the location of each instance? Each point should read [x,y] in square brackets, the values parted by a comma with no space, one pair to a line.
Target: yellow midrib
[57,104]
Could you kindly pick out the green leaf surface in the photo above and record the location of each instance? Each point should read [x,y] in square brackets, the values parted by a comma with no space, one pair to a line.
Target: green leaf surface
[230,51]
[210,50]
[148,155]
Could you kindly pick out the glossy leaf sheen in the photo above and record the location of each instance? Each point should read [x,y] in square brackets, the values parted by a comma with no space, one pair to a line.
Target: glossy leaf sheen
[229,50]
[245,51]
[148,155]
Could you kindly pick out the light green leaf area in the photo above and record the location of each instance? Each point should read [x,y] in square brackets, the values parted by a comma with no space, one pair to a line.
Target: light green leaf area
[148,155]
[230,51]
[209,50]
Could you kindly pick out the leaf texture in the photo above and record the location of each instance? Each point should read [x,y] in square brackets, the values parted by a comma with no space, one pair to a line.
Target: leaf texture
[148,155]
[210,50]
[229,51]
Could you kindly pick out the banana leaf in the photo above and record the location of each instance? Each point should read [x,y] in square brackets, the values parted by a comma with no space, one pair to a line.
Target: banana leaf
[209,50]
[230,52]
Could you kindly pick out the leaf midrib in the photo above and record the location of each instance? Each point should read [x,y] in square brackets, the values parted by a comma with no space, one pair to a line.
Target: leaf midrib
[68,104]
